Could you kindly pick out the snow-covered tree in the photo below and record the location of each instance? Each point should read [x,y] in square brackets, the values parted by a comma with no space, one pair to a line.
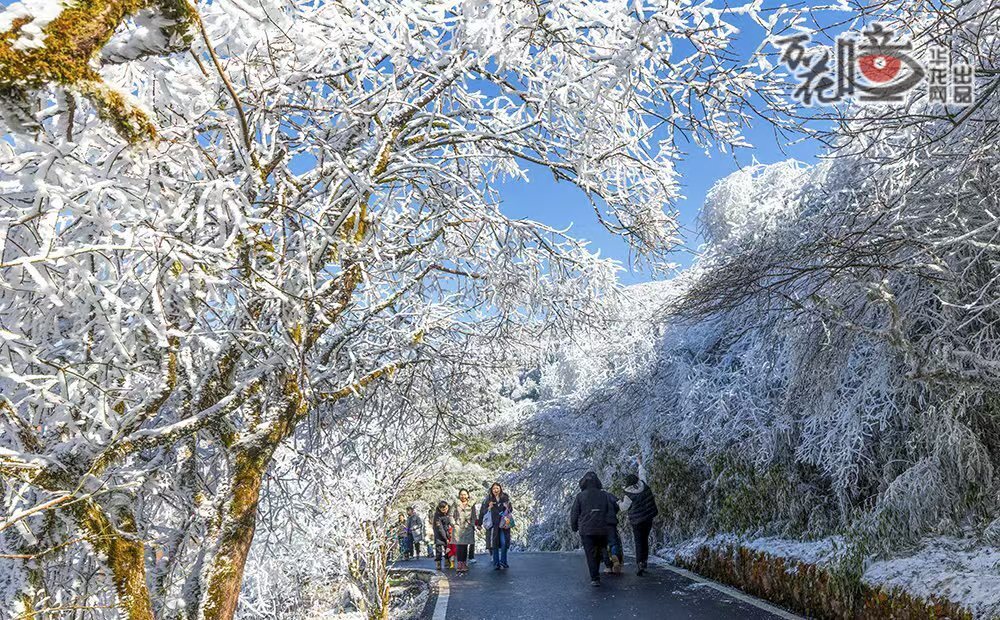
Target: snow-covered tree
[221,223]
[830,363]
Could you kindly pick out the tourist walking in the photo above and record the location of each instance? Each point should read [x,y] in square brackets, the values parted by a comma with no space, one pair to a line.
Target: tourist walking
[592,515]
[403,538]
[442,526]
[640,505]
[417,531]
[497,517]
[465,529]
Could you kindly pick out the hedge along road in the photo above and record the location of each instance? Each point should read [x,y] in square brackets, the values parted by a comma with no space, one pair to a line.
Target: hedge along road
[555,586]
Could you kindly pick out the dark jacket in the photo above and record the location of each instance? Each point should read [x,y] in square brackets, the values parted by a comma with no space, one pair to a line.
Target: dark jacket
[641,504]
[442,528]
[594,509]
[499,507]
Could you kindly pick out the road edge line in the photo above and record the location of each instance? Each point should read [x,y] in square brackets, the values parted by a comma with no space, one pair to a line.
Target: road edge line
[439,587]
[443,591]
[727,590]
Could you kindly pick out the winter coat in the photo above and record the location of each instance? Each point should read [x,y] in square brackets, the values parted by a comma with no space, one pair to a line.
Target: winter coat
[640,503]
[442,528]
[594,509]
[499,508]
[416,525]
[615,509]
[465,524]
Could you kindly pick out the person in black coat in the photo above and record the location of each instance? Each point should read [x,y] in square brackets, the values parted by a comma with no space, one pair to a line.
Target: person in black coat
[443,526]
[641,507]
[592,515]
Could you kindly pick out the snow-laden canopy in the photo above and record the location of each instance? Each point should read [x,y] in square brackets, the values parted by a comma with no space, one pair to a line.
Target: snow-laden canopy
[238,233]
[831,363]
[749,204]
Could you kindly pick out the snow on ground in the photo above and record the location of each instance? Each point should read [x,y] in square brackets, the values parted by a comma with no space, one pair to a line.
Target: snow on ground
[412,607]
[409,593]
[963,571]
[337,615]
[812,552]
[956,569]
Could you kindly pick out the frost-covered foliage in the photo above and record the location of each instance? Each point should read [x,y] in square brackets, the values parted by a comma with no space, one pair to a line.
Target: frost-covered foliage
[948,568]
[749,204]
[960,571]
[326,532]
[205,257]
[831,363]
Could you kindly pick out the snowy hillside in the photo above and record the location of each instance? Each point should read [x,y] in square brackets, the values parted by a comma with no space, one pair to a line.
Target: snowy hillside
[828,367]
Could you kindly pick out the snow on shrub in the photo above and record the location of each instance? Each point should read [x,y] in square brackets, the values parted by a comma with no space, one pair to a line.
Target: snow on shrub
[750,203]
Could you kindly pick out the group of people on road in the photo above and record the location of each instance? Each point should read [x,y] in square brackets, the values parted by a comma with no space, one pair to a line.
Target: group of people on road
[595,517]
[453,527]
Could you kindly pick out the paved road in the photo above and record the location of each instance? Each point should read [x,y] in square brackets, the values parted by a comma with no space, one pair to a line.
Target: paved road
[555,586]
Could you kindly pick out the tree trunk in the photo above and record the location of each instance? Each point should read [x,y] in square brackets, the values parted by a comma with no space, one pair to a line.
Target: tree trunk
[369,570]
[239,523]
[381,570]
[126,557]
[239,520]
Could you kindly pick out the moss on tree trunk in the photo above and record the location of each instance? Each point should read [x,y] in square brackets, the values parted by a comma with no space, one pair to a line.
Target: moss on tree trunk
[71,42]
[239,525]
[124,554]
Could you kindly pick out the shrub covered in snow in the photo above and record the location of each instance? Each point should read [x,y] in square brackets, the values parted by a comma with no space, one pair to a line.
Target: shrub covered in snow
[831,364]
[750,204]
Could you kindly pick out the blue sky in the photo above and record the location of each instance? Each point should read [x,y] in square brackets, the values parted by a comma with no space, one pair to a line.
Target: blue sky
[561,205]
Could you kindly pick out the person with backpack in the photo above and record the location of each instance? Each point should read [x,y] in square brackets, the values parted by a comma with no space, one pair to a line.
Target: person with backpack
[592,515]
[497,517]
[640,505]
[442,526]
